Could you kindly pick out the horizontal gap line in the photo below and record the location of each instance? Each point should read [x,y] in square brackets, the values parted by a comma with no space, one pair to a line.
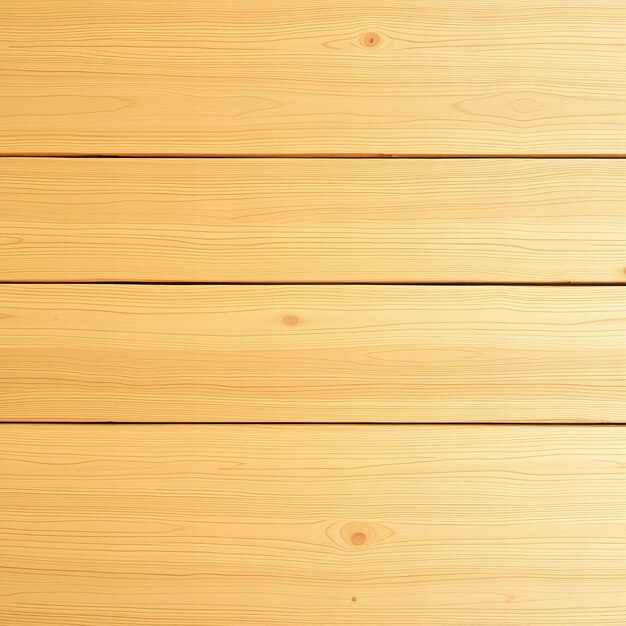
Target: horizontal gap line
[165,283]
[318,423]
[131,155]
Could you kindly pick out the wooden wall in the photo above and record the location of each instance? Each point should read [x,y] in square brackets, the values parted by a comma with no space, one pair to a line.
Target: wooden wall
[313,313]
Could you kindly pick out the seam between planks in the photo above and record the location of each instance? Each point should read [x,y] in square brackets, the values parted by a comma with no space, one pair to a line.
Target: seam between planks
[176,283]
[320,155]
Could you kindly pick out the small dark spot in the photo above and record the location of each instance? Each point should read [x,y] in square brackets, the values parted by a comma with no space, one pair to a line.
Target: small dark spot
[291,320]
[353,599]
[358,538]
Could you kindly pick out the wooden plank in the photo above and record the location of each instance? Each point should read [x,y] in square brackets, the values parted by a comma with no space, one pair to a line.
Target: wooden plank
[313,525]
[319,220]
[313,77]
[312,353]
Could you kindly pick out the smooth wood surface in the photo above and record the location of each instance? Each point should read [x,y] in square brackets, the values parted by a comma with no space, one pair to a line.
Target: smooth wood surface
[313,525]
[312,353]
[313,77]
[317,220]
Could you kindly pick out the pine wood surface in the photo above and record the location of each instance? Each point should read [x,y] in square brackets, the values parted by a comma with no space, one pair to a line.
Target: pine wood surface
[241,525]
[312,353]
[313,220]
[509,509]
[313,77]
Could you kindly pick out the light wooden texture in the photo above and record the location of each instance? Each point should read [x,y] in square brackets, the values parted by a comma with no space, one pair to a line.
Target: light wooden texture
[313,76]
[312,353]
[196,525]
[319,220]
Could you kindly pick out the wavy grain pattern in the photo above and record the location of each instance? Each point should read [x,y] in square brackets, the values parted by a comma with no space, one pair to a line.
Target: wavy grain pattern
[317,220]
[313,77]
[312,353]
[165,525]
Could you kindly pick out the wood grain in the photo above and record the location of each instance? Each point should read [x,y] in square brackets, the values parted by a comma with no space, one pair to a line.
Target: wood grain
[313,77]
[312,525]
[312,353]
[313,220]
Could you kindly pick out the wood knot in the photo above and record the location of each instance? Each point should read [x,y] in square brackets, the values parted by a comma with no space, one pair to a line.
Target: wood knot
[358,538]
[358,535]
[370,40]
[291,320]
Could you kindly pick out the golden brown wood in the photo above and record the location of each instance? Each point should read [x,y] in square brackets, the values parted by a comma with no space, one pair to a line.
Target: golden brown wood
[312,525]
[319,220]
[312,353]
[313,76]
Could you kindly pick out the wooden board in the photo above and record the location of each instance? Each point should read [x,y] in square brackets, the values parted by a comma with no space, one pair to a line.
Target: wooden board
[319,220]
[313,77]
[312,353]
[312,525]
